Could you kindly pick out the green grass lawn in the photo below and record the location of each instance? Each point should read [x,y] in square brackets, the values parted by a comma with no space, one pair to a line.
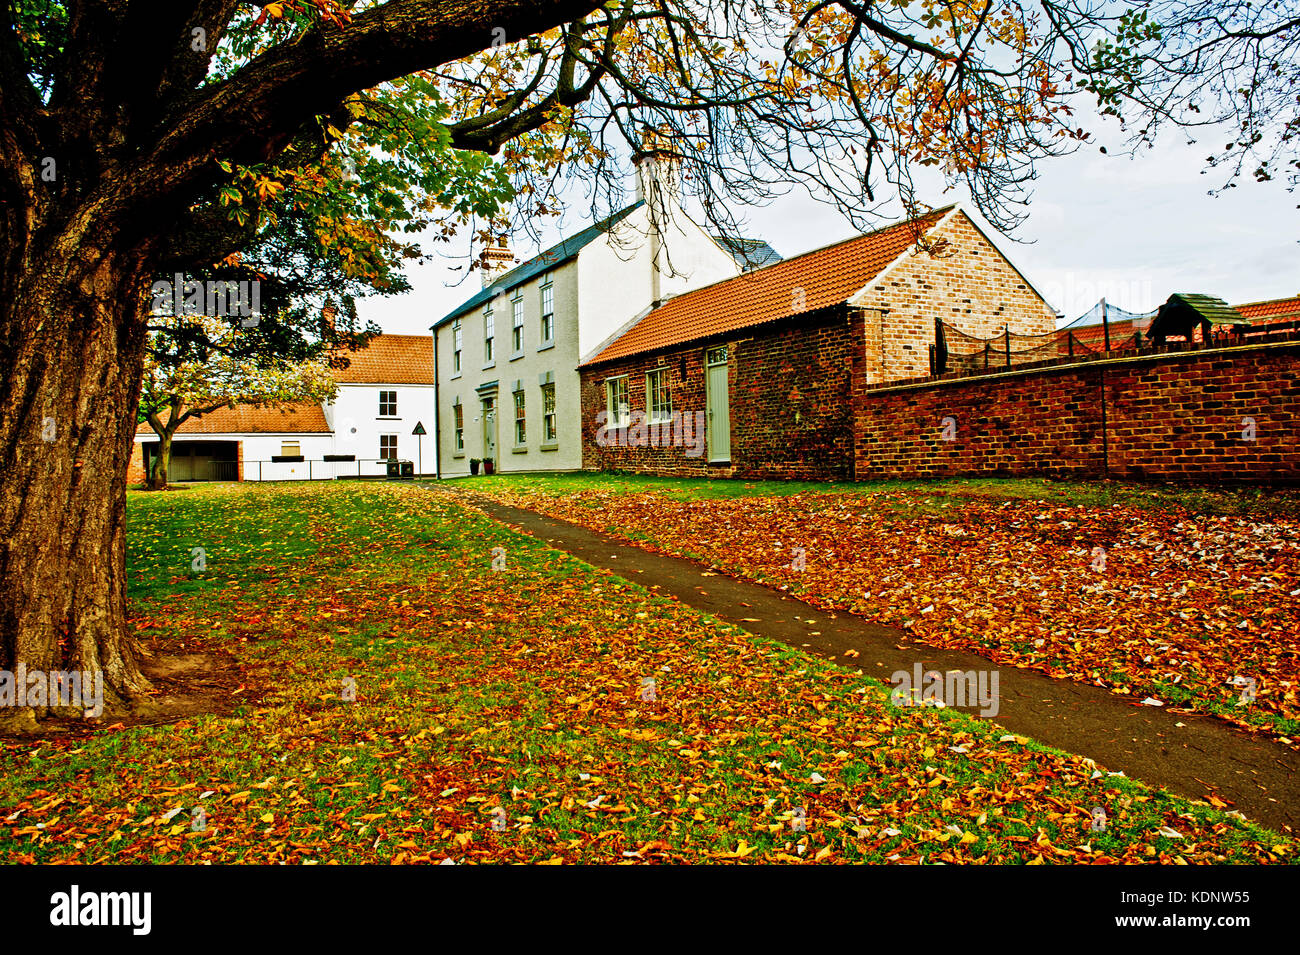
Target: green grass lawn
[1246,501]
[516,695]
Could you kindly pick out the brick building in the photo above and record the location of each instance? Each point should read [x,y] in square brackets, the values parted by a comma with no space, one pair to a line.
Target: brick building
[760,375]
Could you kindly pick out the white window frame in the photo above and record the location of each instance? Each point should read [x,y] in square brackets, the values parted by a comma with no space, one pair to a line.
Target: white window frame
[458,426]
[393,401]
[521,419]
[457,340]
[550,428]
[489,337]
[655,412]
[617,417]
[548,314]
[517,325]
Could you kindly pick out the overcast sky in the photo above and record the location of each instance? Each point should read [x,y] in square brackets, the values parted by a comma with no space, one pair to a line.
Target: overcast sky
[1131,229]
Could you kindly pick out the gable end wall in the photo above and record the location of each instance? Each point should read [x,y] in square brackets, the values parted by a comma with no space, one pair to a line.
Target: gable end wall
[968,284]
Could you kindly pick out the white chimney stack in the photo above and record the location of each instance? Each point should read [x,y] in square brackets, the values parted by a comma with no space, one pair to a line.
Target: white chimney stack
[658,177]
[658,185]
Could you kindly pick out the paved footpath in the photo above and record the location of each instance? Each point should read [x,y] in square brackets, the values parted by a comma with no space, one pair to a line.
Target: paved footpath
[1189,754]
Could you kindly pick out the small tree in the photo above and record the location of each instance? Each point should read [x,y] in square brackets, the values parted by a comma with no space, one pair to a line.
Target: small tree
[215,376]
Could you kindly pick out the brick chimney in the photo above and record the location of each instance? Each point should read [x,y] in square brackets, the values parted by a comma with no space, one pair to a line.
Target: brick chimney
[497,260]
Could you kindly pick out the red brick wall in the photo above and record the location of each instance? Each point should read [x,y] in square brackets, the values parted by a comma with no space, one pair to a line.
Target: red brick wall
[135,469]
[790,402]
[685,371]
[1168,417]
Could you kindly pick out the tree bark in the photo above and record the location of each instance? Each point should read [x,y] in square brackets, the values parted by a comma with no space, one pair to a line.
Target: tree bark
[72,347]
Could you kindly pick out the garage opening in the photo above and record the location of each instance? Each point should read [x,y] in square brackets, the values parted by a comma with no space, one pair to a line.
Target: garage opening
[198,460]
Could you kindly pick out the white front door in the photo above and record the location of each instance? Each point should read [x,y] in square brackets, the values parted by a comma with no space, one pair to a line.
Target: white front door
[719,409]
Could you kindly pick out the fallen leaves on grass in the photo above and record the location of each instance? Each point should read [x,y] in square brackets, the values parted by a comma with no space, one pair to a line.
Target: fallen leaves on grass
[1187,611]
[499,718]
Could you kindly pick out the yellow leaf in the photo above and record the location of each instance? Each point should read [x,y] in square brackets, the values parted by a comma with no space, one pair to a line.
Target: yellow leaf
[742,850]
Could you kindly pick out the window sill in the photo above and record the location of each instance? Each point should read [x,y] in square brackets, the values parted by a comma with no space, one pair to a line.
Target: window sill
[455,376]
[458,454]
[550,447]
[491,364]
[388,418]
[516,356]
[545,346]
[518,450]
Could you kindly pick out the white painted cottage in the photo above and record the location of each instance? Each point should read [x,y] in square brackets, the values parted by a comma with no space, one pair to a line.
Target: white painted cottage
[384,393]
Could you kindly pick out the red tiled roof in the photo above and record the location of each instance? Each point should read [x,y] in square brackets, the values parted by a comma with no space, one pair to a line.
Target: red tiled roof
[1276,310]
[1119,330]
[391,360]
[828,276]
[302,418]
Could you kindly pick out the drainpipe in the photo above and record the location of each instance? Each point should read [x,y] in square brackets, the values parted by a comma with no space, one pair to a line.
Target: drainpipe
[1105,324]
[1105,437]
[437,412]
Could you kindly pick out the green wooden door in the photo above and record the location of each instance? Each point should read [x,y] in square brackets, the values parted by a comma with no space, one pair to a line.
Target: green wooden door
[718,391]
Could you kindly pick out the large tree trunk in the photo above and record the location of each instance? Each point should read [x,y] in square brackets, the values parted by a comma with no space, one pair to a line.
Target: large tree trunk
[71,346]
